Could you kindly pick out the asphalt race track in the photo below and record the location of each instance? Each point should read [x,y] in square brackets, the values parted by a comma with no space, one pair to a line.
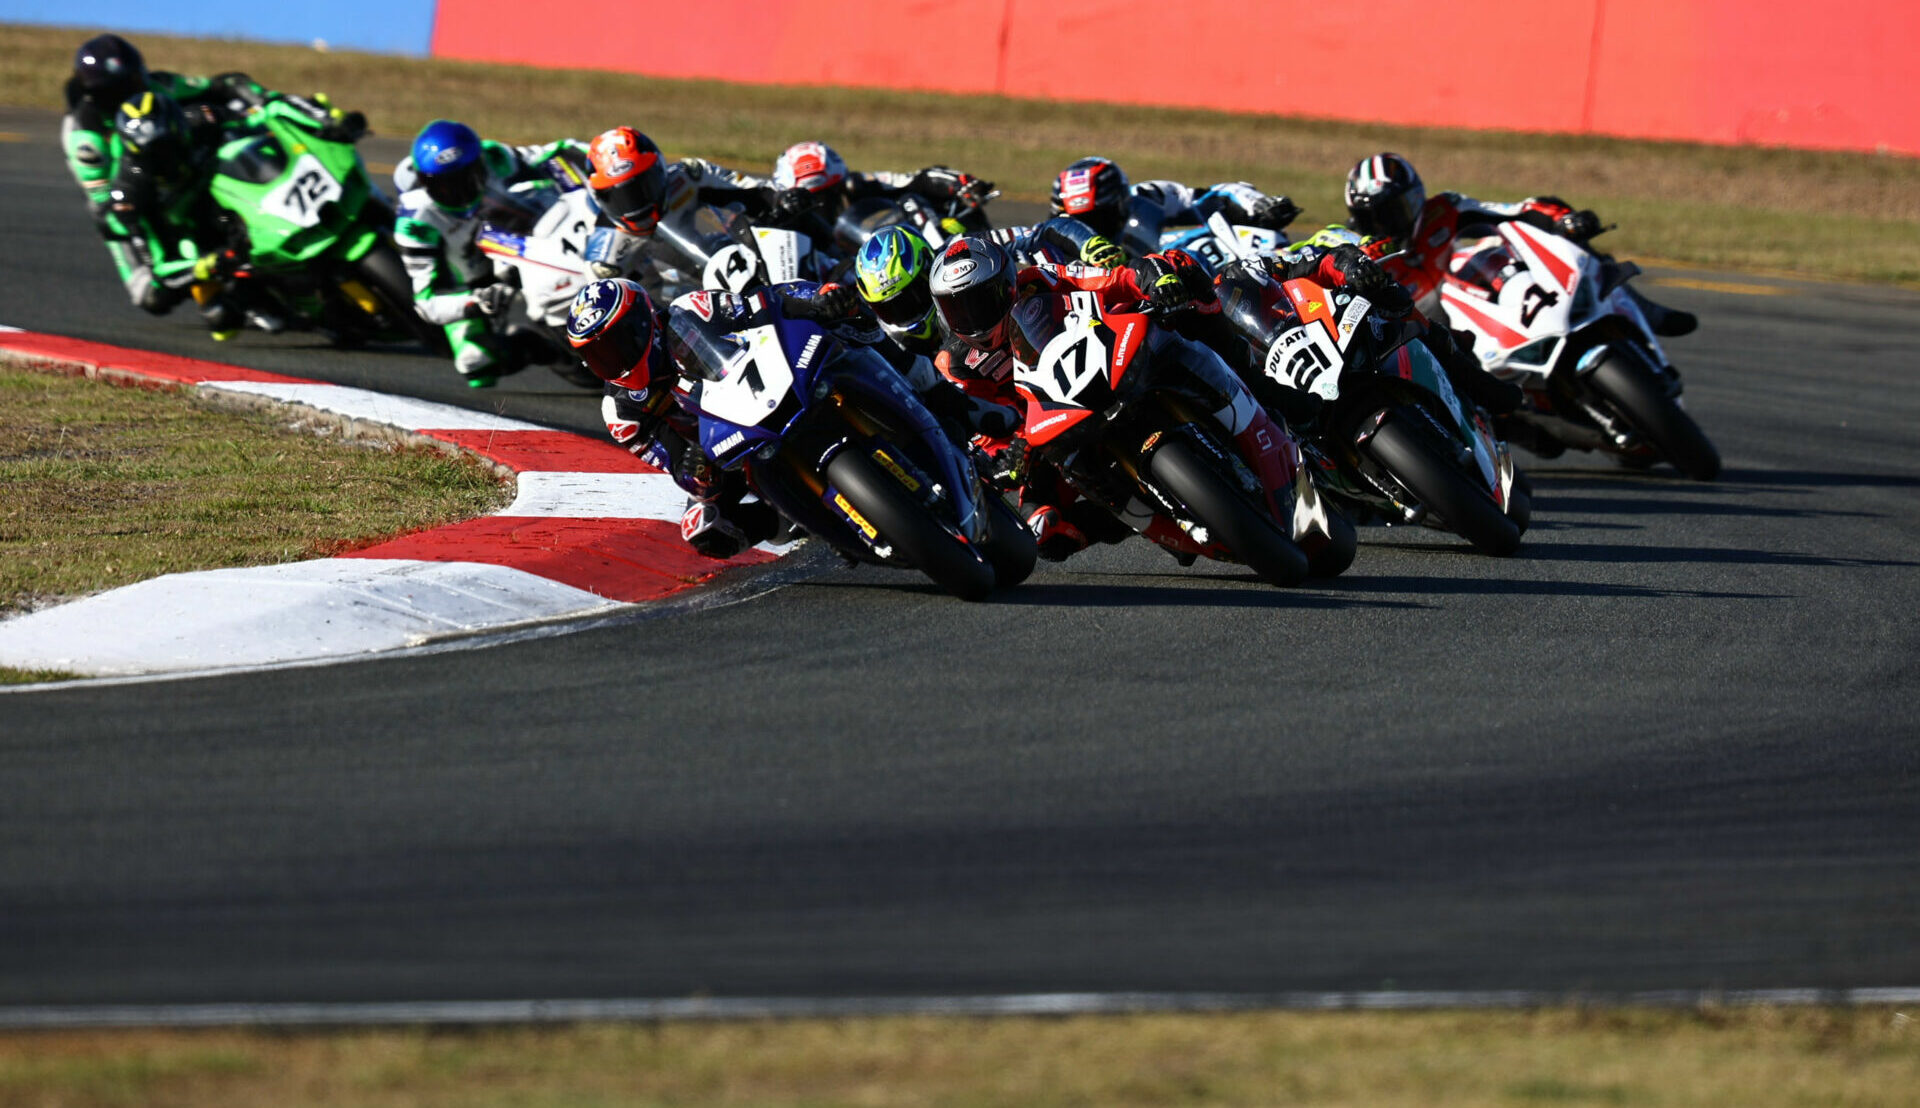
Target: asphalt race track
[1670,745]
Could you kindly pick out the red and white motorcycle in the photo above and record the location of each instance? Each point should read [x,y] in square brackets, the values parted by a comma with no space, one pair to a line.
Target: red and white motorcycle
[1556,319]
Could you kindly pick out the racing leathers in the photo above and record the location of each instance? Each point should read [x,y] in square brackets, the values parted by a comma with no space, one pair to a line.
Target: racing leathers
[453,281]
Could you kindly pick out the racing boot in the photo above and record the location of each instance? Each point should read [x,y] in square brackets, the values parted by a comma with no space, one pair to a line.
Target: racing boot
[1274,458]
[1057,538]
[1167,535]
[1468,378]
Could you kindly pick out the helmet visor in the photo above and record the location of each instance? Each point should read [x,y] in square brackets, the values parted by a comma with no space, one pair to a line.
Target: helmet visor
[458,189]
[634,203]
[978,312]
[1394,214]
[620,353]
[906,308]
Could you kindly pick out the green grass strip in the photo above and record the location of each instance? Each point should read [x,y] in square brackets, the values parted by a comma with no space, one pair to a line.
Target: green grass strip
[106,486]
[1753,1057]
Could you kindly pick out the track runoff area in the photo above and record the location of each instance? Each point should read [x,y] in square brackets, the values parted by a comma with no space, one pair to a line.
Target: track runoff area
[1665,752]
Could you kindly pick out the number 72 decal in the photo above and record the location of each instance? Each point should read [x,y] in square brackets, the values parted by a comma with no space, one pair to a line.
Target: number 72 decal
[300,199]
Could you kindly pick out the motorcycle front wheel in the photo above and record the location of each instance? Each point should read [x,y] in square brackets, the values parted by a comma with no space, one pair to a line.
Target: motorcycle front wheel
[1626,385]
[1468,510]
[1010,547]
[1253,538]
[906,524]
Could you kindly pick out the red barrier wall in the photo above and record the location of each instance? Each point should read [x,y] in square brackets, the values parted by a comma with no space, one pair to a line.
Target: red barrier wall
[1830,76]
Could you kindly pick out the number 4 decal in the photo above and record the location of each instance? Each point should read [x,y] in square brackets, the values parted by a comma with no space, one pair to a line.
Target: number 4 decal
[1533,300]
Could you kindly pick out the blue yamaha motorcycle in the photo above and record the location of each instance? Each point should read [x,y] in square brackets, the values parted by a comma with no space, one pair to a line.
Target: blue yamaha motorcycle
[833,437]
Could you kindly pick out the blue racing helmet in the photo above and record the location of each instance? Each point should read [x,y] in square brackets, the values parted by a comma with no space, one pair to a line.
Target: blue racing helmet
[446,155]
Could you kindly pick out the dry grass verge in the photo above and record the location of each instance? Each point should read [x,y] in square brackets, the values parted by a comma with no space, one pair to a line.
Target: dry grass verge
[1753,1057]
[1820,214]
[108,486]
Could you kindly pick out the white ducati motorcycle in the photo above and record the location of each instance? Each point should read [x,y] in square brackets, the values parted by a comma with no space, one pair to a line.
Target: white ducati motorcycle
[1556,319]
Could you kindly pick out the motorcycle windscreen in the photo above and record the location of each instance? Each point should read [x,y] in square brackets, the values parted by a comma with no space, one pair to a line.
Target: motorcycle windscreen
[1034,326]
[705,347]
[258,161]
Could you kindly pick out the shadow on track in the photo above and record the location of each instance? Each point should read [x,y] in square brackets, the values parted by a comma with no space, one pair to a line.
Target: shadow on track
[1201,593]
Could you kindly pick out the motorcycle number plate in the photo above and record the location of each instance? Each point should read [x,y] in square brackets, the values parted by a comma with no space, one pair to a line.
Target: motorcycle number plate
[783,251]
[757,379]
[1308,359]
[1073,359]
[734,269]
[299,198]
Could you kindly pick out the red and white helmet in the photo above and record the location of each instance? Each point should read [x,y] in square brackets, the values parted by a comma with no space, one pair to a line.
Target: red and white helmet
[809,165]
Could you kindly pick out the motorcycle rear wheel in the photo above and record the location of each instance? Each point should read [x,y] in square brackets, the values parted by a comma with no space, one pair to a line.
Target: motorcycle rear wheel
[1624,381]
[1403,450]
[1255,540]
[952,564]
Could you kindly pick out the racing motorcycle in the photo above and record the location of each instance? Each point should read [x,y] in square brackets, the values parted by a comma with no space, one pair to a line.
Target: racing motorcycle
[835,439]
[306,217]
[549,263]
[1557,319]
[1125,409]
[1393,441]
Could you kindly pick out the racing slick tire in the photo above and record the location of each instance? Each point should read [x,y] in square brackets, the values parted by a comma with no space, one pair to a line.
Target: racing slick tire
[950,561]
[1011,548]
[1467,509]
[1252,537]
[1624,381]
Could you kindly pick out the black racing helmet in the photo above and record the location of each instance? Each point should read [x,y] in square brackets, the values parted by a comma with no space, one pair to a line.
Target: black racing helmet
[153,131]
[109,71]
[1385,195]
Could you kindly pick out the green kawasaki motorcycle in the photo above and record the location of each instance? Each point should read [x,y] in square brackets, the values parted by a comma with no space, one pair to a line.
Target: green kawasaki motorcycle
[309,223]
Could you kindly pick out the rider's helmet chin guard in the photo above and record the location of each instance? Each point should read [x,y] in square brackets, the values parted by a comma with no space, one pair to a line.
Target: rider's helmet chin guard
[629,179]
[448,163]
[892,274]
[610,325]
[1385,196]
[972,287]
[1094,191]
[109,71]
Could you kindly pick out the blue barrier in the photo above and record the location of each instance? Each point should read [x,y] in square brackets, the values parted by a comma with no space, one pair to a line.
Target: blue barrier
[384,26]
